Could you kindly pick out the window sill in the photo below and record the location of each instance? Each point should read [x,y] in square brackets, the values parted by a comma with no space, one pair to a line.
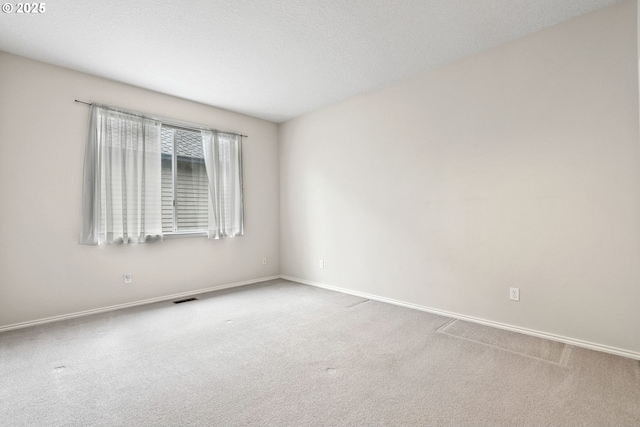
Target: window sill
[188,234]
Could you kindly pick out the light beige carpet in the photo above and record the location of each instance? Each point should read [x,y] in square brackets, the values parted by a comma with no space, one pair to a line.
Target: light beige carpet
[284,354]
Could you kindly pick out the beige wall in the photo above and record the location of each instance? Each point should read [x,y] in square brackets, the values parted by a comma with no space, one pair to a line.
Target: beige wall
[44,271]
[516,167]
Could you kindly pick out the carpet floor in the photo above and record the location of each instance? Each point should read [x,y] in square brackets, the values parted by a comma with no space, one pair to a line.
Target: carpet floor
[285,354]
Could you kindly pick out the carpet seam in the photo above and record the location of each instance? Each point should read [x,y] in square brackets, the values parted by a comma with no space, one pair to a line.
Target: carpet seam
[564,357]
[358,303]
[445,325]
[442,331]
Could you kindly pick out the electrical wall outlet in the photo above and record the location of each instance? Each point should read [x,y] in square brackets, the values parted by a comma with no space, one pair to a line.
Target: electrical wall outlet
[128,277]
[514,294]
[264,261]
[321,263]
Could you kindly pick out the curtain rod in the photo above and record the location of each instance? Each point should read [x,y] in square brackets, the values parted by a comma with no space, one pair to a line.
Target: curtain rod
[168,121]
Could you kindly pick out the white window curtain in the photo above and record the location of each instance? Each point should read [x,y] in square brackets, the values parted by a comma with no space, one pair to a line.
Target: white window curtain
[122,179]
[223,161]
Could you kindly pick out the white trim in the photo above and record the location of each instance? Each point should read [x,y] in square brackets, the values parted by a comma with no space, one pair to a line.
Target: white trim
[132,304]
[552,337]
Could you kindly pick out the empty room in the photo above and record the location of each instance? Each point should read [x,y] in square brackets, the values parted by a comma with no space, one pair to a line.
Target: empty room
[320,213]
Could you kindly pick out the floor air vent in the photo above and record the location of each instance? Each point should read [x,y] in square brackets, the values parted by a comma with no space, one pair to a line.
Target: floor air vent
[180,301]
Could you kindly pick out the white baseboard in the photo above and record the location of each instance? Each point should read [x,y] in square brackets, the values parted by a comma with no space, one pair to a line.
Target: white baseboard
[552,337]
[132,304]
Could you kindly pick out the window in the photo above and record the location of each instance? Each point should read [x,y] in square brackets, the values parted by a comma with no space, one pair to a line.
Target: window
[145,178]
[185,186]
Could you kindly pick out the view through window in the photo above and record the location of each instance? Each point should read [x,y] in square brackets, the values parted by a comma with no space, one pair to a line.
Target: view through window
[185,188]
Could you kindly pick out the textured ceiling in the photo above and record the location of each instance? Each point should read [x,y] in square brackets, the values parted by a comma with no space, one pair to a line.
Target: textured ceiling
[272,59]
